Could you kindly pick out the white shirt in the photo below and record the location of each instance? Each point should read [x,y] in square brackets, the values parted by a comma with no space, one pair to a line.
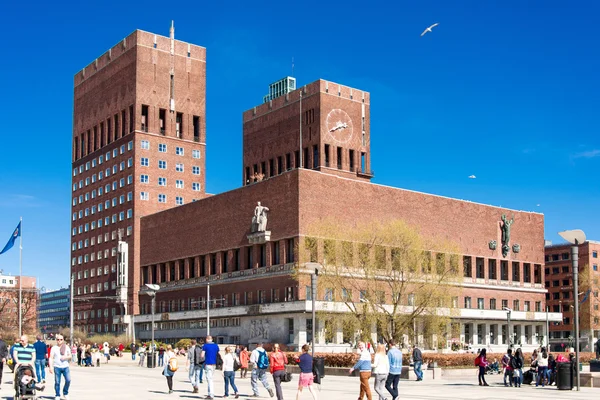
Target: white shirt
[55,356]
[255,354]
[228,361]
[106,348]
[381,364]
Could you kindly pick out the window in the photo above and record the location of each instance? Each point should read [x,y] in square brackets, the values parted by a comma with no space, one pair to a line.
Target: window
[565,270]
[179,151]
[145,162]
[162,181]
[467,268]
[195,186]
[179,184]
[492,304]
[480,303]
[162,148]
[179,167]
[594,254]
[196,154]
[129,213]
[595,266]
[504,303]
[179,200]
[144,196]
[144,178]
[129,146]
[196,170]
[538,306]
[516,305]
[467,302]
[162,198]
[162,164]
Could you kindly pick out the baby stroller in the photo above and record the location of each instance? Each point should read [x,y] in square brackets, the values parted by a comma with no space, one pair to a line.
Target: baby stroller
[492,369]
[22,391]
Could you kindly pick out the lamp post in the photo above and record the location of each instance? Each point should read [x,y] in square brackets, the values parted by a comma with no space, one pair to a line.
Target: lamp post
[575,237]
[547,330]
[315,269]
[151,290]
[208,309]
[508,312]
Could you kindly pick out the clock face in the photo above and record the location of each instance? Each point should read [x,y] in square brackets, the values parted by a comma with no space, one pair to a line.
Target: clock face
[339,125]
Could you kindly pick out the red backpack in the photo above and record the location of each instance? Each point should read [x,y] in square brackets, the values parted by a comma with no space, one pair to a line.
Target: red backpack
[477,361]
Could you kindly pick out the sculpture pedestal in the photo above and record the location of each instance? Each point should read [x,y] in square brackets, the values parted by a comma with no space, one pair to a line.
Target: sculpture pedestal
[259,237]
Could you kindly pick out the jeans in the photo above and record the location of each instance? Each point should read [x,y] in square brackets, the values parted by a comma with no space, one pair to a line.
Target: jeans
[258,375]
[542,371]
[161,360]
[481,376]
[57,374]
[518,377]
[196,374]
[391,384]
[364,385]
[40,369]
[508,373]
[418,371]
[277,375]
[230,380]
[379,384]
[133,355]
[210,369]
[142,356]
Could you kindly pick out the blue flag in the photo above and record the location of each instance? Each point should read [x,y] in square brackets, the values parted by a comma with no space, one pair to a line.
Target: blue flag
[585,297]
[11,241]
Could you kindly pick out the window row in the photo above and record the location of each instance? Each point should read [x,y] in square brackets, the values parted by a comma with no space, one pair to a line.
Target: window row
[480,305]
[103,206]
[162,181]
[102,190]
[102,174]
[90,226]
[162,164]
[103,134]
[84,315]
[85,258]
[195,324]
[506,273]
[91,329]
[557,257]
[92,241]
[162,148]
[96,272]
[96,288]
[162,198]
[165,129]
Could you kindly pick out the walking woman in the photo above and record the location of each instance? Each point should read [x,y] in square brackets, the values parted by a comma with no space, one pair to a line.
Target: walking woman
[542,363]
[244,358]
[517,365]
[277,361]
[381,369]
[228,372]
[481,362]
[305,362]
[167,372]
[364,366]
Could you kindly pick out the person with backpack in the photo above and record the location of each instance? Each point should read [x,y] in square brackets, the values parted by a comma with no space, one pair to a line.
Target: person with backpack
[260,359]
[170,367]
[481,362]
[277,361]
[210,353]
[195,365]
[507,368]
[542,363]
[516,364]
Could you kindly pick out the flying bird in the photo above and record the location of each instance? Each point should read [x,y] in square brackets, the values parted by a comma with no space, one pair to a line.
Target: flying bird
[429,29]
[472,177]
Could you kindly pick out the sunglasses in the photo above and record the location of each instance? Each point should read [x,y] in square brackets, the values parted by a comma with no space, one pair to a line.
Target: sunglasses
[59,340]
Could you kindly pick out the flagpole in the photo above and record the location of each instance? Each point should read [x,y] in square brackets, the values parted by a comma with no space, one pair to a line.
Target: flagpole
[21,278]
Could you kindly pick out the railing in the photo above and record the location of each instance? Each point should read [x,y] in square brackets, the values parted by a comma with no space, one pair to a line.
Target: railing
[363,172]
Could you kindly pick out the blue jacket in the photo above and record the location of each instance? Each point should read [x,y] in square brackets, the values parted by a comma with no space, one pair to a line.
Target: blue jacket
[40,350]
[395,358]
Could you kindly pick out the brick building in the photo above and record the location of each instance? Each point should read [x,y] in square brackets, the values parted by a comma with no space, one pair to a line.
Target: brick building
[9,300]
[138,148]
[255,294]
[560,296]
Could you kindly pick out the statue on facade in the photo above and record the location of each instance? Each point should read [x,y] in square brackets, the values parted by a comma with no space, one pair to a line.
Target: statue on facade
[259,220]
[505,226]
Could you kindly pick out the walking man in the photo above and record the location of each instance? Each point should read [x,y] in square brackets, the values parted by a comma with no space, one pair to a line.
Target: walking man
[59,366]
[418,360]
[260,359]
[209,353]
[40,358]
[3,357]
[142,355]
[23,351]
[133,348]
[395,359]
[195,364]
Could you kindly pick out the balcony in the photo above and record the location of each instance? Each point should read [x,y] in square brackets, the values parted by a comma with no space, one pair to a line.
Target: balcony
[365,173]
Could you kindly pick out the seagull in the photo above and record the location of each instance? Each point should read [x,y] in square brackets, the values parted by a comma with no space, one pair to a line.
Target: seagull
[429,29]
[472,177]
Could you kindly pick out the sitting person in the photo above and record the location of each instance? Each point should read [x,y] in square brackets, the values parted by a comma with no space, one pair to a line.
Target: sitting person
[495,366]
[28,383]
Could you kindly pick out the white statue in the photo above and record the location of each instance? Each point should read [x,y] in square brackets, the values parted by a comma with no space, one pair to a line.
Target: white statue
[259,220]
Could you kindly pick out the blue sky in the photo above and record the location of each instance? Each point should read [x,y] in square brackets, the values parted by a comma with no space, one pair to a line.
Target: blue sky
[507,91]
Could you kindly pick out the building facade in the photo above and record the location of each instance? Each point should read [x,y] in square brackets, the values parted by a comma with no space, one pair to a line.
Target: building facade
[54,311]
[561,295]
[258,285]
[138,148]
[9,304]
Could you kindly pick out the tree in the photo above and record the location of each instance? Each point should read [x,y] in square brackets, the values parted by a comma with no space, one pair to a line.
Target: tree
[386,275]
[9,311]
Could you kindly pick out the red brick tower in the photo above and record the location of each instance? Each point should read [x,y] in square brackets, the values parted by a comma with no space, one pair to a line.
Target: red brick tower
[334,121]
[138,148]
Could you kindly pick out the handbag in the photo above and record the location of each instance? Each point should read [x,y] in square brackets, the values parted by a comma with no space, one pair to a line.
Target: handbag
[236,364]
[287,377]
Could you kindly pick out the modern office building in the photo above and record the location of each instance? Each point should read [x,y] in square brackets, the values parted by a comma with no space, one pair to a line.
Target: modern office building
[54,311]
[138,148]
[561,295]
[9,300]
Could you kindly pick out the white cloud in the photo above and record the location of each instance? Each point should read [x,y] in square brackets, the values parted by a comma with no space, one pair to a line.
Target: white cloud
[472,177]
[588,154]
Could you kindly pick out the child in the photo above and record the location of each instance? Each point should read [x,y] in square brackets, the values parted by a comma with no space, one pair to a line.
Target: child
[28,383]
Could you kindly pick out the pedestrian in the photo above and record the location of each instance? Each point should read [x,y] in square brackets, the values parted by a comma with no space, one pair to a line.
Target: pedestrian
[161,356]
[244,358]
[395,360]
[12,353]
[238,349]
[59,366]
[73,353]
[305,363]
[168,370]
[3,357]
[24,352]
[542,362]
[506,360]
[40,359]
[142,354]
[381,369]
[133,348]
[195,365]
[517,367]
[481,362]
[106,350]
[277,362]
[209,353]
[260,359]
[364,366]
[418,363]
[229,371]
[79,355]
[551,370]
[121,348]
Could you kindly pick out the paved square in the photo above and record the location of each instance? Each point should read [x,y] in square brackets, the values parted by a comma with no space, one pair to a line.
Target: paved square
[123,379]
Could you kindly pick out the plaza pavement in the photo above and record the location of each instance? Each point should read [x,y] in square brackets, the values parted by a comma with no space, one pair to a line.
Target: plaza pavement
[122,379]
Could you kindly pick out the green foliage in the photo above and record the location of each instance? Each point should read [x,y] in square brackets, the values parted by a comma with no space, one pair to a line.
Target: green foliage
[185,343]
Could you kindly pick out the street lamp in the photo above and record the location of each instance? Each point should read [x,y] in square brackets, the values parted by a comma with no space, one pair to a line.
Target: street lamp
[575,237]
[151,290]
[315,269]
[508,312]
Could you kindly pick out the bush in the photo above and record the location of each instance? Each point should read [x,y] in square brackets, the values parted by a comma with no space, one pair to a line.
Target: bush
[185,343]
